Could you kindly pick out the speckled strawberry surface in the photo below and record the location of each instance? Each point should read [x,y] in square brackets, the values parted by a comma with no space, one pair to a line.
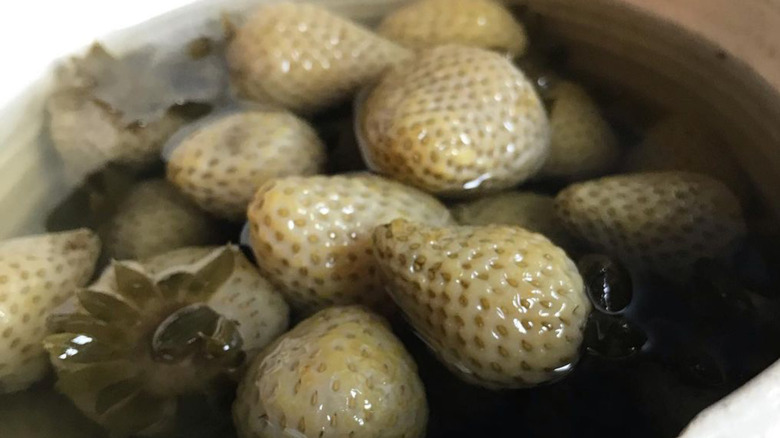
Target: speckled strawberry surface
[305,58]
[220,165]
[312,235]
[454,120]
[478,23]
[37,274]
[502,307]
[340,373]
[662,221]
[582,144]
[155,218]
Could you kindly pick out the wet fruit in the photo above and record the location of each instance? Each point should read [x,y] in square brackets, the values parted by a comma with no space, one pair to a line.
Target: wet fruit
[532,211]
[155,218]
[478,23]
[454,120]
[126,355]
[502,307]
[312,235]
[582,143]
[37,274]
[305,58]
[662,221]
[220,165]
[339,373]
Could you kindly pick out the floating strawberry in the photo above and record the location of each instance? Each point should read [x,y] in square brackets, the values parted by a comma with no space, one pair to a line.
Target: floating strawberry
[340,373]
[532,211]
[582,144]
[221,165]
[37,274]
[312,235]
[500,306]
[661,221]
[131,350]
[477,23]
[455,120]
[155,218]
[305,58]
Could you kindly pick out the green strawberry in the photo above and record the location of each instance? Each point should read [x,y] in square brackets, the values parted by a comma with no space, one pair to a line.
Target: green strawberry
[339,373]
[37,274]
[500,306]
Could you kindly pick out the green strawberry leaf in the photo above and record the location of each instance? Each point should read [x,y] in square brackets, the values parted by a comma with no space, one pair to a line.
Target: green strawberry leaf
[86,325]
[116,393]
[134,285]
[72,348]
[140,412]
[109,308]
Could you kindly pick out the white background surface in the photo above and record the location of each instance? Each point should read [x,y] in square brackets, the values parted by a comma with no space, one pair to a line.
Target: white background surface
[33,33]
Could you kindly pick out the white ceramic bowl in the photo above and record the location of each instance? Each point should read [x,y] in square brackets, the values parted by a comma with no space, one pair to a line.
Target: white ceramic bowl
[653,59]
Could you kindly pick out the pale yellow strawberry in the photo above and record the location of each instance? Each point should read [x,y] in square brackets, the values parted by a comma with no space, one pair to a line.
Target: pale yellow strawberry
[455,120]
[501,306]
[662,221]
[583,144]
[305,58]
[532,211]
[37,274]
[340,373]
[312,235]
[220,165]
[155,218]
[478,23]
[685,144]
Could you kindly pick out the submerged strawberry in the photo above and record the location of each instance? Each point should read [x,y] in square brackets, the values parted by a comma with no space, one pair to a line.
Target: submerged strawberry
[454,120]
[532,211]
[37,274]
[661,221]
[312,235]
[582,143]
[305,58]
[339,373]
[477,23]
[221,165]
[139,341]
[155,218]
[500,306]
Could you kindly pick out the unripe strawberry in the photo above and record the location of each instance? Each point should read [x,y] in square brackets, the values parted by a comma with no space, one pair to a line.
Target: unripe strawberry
[221,165]
[661,221]
[454,120]
[305,58]
[312,235]
[339,373]
[477,23]
[502,307]
[582,143]
[37,274]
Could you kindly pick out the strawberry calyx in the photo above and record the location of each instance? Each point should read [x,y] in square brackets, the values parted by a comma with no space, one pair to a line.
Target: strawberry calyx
[127,354]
